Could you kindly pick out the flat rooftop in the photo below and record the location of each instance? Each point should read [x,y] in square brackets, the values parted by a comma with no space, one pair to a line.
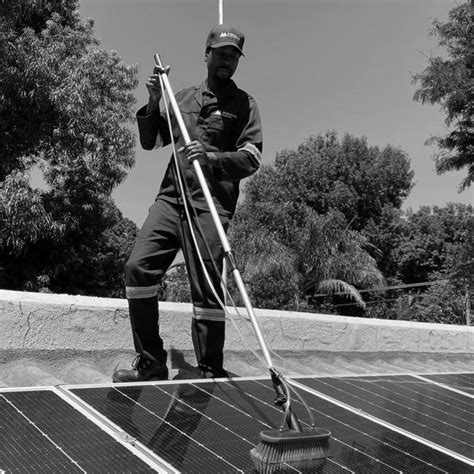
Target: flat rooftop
[63,339]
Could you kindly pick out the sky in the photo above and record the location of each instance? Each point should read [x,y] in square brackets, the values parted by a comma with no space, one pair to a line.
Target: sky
[311,65]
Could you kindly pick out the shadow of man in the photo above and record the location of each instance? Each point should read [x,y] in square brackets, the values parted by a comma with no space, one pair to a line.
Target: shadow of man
[174,429]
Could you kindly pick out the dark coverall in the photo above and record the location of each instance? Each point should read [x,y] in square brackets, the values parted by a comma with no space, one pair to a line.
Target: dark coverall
[228,125]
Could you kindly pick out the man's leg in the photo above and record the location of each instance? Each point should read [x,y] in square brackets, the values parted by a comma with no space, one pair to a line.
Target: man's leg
[208,324]
[208,341]
[154,250]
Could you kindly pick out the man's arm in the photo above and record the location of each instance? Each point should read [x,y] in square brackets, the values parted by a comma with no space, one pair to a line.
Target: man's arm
[153,129]
[152,124]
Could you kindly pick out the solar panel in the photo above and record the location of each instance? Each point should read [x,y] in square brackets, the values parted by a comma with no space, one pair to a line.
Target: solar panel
[41,432]
[427,411]
[462,382]
[400,423]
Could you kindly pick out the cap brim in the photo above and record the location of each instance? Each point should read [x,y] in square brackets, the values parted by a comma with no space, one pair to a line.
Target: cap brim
[227,43]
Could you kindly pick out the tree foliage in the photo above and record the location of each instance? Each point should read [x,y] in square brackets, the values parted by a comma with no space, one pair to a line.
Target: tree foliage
[346,174]
[448,82]
[441,303]
[433,241]
[298,230]
[65,108]
[434,245]
[175,284]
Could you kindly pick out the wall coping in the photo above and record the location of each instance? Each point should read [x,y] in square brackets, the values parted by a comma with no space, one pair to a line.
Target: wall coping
[60,321]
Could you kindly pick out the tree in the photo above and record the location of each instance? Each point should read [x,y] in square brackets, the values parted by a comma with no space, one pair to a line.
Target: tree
[175,284]
[441,303]
[297,230]
[267,265]
[346,174]
[431,245]
[286,270]
[383,235]
[367,184]
[66,107]
[431,241]
[448,82]
[461,273]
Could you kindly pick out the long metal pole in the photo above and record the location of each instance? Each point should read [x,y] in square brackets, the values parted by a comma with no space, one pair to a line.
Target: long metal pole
[224,265]
[221,12]
[215,216]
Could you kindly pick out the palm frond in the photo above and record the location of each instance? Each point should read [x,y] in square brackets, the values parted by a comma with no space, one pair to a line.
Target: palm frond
[335,287]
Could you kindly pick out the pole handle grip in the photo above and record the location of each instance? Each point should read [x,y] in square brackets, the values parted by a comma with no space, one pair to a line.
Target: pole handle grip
[158,60]
[174,104]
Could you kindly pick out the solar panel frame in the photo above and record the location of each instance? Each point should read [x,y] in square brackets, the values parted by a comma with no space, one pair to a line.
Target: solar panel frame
[71,443]
[209,424]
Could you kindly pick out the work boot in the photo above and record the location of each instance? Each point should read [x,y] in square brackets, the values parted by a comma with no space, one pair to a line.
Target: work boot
[211,372]
[144,368]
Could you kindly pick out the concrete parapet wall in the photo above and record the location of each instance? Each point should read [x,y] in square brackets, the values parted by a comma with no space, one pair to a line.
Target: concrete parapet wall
[38,321]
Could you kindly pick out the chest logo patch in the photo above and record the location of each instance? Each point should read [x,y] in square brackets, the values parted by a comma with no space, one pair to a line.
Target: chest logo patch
[223,113]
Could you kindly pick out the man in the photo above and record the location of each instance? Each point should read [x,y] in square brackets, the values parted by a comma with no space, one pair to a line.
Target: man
[224,126]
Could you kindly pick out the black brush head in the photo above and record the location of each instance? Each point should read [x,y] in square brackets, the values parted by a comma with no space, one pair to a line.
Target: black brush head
[292,436]
[285,450]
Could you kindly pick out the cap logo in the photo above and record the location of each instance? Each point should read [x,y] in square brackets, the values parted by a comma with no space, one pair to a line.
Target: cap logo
[232,35]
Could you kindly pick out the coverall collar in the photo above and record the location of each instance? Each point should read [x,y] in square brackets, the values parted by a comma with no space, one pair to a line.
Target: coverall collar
[227,91]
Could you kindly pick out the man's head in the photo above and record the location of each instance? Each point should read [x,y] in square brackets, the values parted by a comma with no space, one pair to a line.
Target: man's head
[223,49]
[225,35]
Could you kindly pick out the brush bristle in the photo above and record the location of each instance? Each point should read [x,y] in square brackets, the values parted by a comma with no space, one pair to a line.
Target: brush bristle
[305,453]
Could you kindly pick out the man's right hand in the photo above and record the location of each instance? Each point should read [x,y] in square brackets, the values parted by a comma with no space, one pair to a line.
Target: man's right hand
[154,88]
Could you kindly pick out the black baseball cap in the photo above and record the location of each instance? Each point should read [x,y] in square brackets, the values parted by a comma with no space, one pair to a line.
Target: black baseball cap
[225,35]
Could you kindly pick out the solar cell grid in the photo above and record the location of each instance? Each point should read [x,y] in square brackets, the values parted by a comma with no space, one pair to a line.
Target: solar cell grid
[211,427]
[17,434]
[462,382]
[164,424]
[426,411]
[364,446]
[40,432]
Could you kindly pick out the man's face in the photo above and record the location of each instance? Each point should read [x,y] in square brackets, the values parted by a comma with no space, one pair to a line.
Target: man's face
[222,62]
